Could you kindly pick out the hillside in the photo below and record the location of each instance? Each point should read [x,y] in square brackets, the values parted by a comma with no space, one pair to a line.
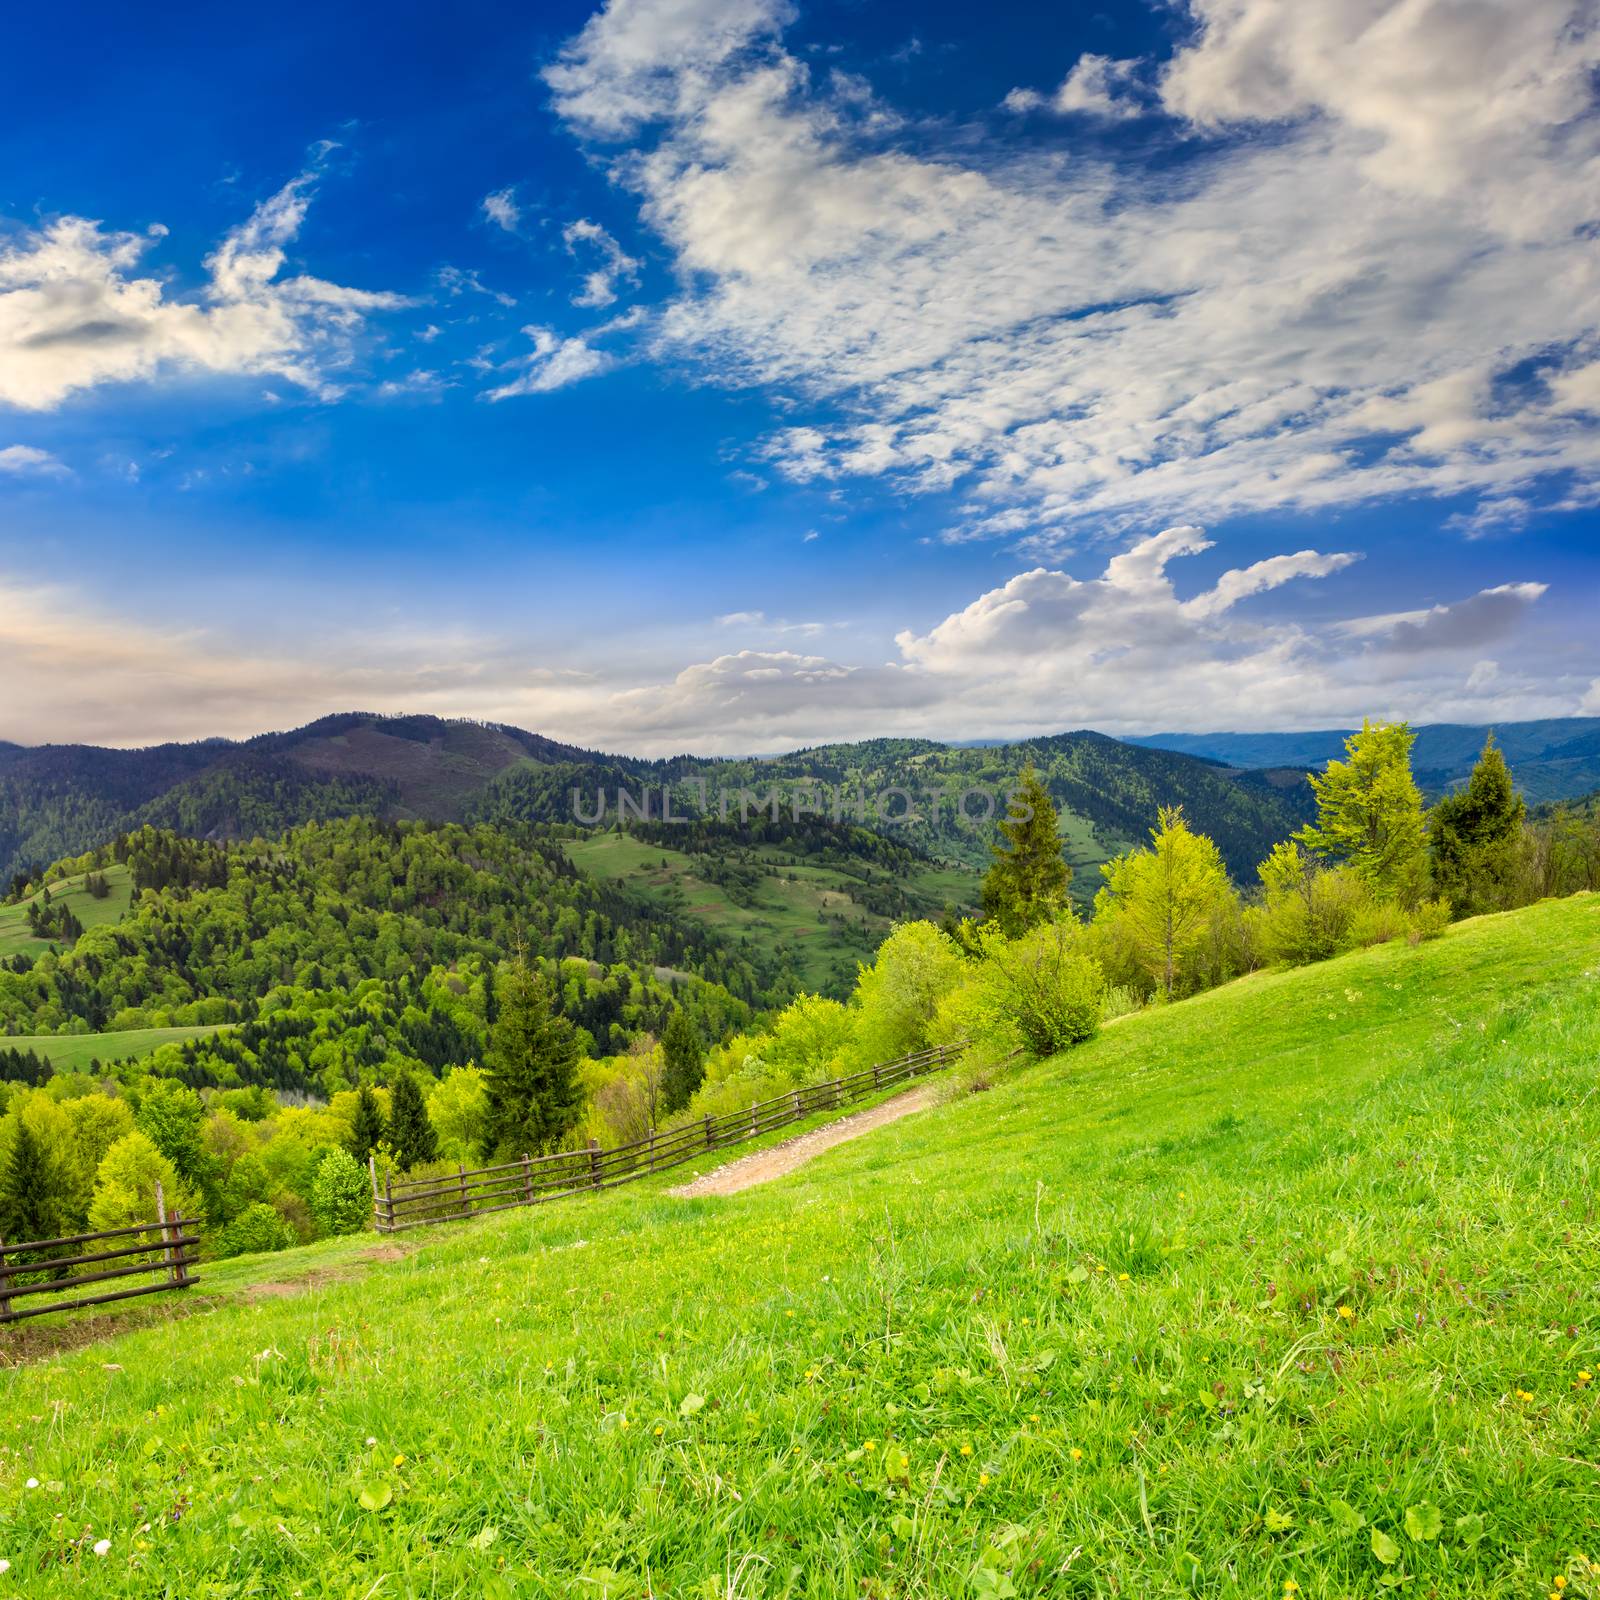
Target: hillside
[1285,1289]
[1556,759]
[59,801]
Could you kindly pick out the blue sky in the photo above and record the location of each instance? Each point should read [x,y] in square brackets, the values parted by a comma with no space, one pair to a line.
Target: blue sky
[733,374]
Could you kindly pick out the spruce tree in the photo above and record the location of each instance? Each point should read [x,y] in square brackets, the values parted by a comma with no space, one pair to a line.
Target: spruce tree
[1475,838]
[530,1067]
[685,1061]
[411,1134]
[32,1189]
[1027,884]
[368,1130]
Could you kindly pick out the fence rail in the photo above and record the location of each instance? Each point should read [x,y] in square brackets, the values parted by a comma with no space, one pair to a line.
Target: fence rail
[165,1249]
[534,1180]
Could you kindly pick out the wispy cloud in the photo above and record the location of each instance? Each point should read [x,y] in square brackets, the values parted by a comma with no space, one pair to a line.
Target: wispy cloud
[554,363]
[502,210]
[28,461]
[585,238]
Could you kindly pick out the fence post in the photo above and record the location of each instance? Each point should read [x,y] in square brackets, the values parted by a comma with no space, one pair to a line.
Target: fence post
[877,1077]
[594,1162]
[388,1201]
[799,1110]
[527,1179]
[5,1283]
[372,1174]
[753,1120]
[181,1275]
[652,1152]
[708,1131]
[466,1204]
[166,1242]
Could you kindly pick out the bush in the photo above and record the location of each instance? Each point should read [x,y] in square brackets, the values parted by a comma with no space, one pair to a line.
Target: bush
[897,996]
[257,1229]
[341,1195]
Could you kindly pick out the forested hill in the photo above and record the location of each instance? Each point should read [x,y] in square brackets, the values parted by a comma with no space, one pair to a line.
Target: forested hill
[352,943]
[59,801]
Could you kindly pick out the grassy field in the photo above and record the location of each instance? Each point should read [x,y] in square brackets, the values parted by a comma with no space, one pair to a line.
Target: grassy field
[806,913]
[72,1052]
[17,939]
[1286,1290]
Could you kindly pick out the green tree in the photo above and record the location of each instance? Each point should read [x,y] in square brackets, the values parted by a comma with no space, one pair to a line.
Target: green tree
[1165,899]
[341,1194]
[170,1114]
[1369,813]
[125,1186]
[1475,838]
[685,1068]
[33,1188]
[411,1134]
[1028,880]
[896,996]
[531,1066]
[368,1129]
[458,1108]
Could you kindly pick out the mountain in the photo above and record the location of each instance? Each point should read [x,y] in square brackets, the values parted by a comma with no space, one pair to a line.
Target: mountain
[1556,759]
[60,800]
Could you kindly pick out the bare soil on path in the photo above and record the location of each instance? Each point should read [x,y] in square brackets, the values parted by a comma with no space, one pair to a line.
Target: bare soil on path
[781,1159]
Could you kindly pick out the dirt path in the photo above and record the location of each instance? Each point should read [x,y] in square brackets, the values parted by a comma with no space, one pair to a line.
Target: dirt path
[765,1165]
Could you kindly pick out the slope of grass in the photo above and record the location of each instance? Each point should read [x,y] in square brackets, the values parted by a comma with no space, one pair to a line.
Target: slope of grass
[16,938]
[1290,1285]
[806,914]
[73,1052]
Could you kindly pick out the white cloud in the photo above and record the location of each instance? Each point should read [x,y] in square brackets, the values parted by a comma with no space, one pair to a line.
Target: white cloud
[501,208]
[74,313]
[1385,209]
[1464,625]
[600,284]
[555,363]
[1097,86]
[27,461]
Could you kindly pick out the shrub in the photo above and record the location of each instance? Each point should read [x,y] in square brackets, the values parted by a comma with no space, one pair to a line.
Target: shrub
[898,994]
[341,1196]
[257,1229]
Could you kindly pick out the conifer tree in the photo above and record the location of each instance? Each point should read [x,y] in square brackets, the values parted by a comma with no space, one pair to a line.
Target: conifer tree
[32,1189]
[1027,884]
[1369,813]
[411,1134]
[1475,838]
[530,1067]
[685,1068]
[368,1130]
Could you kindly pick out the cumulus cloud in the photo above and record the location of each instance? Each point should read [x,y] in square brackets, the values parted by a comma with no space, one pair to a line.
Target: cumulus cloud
[555,362]
[75,312]
[1097,86]
[585,238]
[1464,625]
[502,210]
[28,461]
[1385,217]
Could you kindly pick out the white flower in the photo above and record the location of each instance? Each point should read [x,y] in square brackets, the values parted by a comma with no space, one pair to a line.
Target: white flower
[371,1440]
[5,1567]
[32,1483]
[103,1548]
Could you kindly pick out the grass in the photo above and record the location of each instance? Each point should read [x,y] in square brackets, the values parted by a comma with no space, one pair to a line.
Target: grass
[17,939]
[73,1052]
[1293,1283]
[807,915]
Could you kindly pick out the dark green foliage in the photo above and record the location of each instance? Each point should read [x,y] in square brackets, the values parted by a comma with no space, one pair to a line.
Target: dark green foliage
[257,1228]
[684,1066]
[33,1190]
[24,1066]
[1475,838]
[531,1067]
[341,1194]
[170,1114]
[411,1135]
[1027,884]
[368,1130]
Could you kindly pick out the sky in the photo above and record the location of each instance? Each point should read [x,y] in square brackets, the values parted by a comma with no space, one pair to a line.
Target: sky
[733,375]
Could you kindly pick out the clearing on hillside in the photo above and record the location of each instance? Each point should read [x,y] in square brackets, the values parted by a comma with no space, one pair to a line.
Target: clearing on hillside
[1286,1290]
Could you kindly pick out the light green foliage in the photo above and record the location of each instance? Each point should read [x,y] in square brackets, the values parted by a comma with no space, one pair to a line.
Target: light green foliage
[257,1228]
[899,993]
[170,1115]
[1167,903]
[1090,1319]
[125,1187]
[1369,813]
[1028,881]
[94,1122]
[458,1108]
[341,1194]
[1475,839]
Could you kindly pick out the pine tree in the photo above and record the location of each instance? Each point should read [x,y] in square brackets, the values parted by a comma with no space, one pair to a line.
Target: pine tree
[1369,813]
[411,1134]
[1475,838]
[32,1189]
[1027,884]
[368,1130]
[530,1067]
[685,1068]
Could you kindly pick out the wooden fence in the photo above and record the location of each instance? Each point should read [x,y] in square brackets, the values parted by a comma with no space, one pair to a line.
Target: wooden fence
[533,1180]
[39,1268]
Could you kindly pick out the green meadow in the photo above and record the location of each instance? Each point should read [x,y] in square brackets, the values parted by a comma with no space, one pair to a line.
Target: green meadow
[16,938]
[74,1052]
[1288,1289]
